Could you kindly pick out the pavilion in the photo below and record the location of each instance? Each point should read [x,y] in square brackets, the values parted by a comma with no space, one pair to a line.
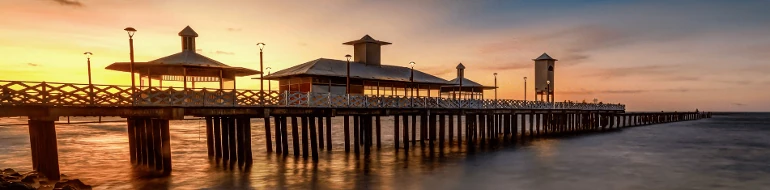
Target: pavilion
[464,88]
[186,66]
[367,75]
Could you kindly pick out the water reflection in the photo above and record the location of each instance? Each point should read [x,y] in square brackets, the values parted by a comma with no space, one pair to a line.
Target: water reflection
[652,157]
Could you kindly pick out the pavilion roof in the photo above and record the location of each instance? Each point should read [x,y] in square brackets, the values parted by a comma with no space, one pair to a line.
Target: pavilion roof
[337,68]
[183,59]
[467,83]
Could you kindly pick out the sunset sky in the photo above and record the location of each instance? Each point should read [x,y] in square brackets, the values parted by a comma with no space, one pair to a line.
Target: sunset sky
[649,55]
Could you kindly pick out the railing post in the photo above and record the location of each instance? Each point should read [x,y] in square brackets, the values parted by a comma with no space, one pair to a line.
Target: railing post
[286,98]
[329,99]
[348,97]
[309,100]
[91,93]
[44,92]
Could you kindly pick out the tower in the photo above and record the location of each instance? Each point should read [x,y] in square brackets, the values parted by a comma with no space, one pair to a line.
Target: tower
[367,50]
[544,72]
[188,39]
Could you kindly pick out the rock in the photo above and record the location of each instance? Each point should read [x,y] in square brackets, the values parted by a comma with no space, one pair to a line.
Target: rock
[29,179]
[16,186]
[74,184]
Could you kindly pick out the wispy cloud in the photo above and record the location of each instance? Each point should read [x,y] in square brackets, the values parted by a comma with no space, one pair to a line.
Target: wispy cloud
[74,3]
[738,104]
[632,91]
[509,66]
[234,29]
[224,52]
[32,64]
[643,70]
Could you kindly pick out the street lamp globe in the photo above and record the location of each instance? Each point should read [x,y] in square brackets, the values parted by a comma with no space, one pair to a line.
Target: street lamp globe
[348,57]
[261,46]
[130,31]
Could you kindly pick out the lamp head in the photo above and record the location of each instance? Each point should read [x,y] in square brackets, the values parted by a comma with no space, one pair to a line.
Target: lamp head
[130,31]
[548,82]
[348,57]
[88,54]
[261,46]
[495,74]
[525,78]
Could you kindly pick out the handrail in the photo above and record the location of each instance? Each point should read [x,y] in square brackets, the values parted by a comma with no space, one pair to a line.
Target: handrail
[70,94]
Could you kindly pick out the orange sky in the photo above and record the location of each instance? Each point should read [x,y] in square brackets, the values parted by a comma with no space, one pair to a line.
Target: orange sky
[650,56]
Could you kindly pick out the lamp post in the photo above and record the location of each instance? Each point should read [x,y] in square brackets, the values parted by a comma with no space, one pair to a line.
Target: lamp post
[261,74]
[525,88]
[90,85]
[347,84]
[548,91]
[131,32]
[411,79]
[268,81]
[495,86]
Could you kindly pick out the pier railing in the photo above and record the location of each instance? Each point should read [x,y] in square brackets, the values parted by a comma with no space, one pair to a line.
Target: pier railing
[70,94]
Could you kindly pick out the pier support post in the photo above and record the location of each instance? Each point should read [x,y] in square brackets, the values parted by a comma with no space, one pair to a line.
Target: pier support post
[406,132]
[396,134]
[131,142]
[268,140]
[232,138]
[451,129]
[165,146]
[356,134]
[305,146]
[45,154]
[217,122]
[441,132]
[328,134]
[278,136]
[313,138]
[378,125]
[346,129]
[414,130]
[295,135]
[320,133]
[209,136]
[459,130]
[284,135]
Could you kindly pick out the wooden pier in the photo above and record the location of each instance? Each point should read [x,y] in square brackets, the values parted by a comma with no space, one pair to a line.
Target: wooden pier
[306,117]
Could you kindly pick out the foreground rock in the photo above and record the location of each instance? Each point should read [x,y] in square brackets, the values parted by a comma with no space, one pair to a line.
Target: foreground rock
[12,180]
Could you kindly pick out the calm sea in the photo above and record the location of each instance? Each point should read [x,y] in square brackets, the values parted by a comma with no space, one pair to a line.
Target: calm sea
[724,152]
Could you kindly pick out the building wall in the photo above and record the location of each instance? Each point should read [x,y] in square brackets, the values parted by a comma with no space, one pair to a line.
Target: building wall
[542,75]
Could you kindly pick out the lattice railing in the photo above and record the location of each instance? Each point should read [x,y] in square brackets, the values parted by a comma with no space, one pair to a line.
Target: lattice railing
[68,94]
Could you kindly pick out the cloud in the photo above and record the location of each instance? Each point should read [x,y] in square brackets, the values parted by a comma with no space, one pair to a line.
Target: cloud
[32,64]
[644,70]
[509,66]
[234,29]
[74,3]
[224,52]
[632,91]
[738,104]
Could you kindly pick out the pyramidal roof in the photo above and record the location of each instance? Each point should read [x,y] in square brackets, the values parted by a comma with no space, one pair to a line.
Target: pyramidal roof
[366,39]
[467,83]
[187,31]
[338,68]
[460,66]
[545,56]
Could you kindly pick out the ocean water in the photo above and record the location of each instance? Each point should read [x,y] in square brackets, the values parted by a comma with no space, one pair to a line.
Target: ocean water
[724,152]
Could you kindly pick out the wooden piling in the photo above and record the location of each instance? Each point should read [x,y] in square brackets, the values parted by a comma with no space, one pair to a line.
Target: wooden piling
[131,141]
[321,133]
[165,138]
[328,134]
[284,135]
[247,139]
[356,134]
[268,140]
[209,136]
[231,138]
[240,140]
[278,136]
[47,155]
[406,132]
[423,129]
[305,145]
[459,130]
[414,130]
[217,137]
[396,134]
[441,132]
[225,138]
[295,136]
[451,129]
[157,143]
[346,128]
[431,129]
[313,138]
[379,135]
[143,139]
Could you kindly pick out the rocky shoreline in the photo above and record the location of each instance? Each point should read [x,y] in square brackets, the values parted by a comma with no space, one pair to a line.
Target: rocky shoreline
[12,180]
